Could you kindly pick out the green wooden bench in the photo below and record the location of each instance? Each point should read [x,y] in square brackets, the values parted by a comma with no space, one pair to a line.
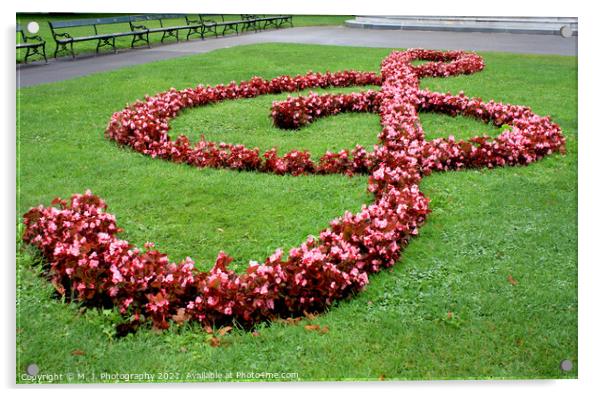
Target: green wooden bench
[285,19]
[212,22]
[31,44]
[64,40]
[252,22]
[262,22]
[140,23]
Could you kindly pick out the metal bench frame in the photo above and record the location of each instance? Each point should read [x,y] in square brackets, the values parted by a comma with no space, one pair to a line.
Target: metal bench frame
[276,21]
[195,24]
[211,25]
[32,44]
[251,22]
[285,19]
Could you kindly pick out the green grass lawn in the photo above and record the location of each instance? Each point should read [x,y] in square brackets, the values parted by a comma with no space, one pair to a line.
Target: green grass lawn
[447,310]
[87,47]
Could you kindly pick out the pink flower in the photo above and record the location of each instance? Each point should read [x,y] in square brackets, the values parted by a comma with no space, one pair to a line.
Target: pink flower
[117,277]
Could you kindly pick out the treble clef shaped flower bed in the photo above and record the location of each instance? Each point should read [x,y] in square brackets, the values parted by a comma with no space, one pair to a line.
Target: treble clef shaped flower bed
[87,259]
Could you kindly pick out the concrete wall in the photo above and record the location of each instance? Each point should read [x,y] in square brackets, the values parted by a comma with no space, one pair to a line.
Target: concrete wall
[533,25]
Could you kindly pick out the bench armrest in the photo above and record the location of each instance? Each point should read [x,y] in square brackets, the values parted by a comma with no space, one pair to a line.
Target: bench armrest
[65,35]
[35,38]
[139,27]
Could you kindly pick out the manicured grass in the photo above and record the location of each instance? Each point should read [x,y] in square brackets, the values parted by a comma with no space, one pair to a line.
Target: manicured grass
[446,311]
[125,42]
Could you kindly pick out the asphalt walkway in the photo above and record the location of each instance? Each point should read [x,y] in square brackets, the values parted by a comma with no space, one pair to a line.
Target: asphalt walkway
[66,68]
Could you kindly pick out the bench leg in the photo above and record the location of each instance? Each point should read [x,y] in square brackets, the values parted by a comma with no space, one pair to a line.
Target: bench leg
[228,28]
[193,31]
[44,52]
[170,33]
[211,29]
[63,47]
[140,37]
[106,42]
[56,50]
[233,27]
[248,25]
[31,51]
[39,49]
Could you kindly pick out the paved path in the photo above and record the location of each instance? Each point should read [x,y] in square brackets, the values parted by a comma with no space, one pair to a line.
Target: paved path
[65,68]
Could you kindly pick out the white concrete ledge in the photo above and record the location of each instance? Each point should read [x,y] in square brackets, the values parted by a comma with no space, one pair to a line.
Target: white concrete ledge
[522,25]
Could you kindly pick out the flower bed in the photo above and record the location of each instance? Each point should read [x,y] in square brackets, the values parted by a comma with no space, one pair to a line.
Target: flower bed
[80,239]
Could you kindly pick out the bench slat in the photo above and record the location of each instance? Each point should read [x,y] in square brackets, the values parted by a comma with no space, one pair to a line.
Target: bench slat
[155,17]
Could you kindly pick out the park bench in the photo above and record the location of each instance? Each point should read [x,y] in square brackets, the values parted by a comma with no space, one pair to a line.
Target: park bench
[212,22]
[65,40]
[251,22]
[196,24]
[285,19]
[273,20]
[31,44]
[167,30]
